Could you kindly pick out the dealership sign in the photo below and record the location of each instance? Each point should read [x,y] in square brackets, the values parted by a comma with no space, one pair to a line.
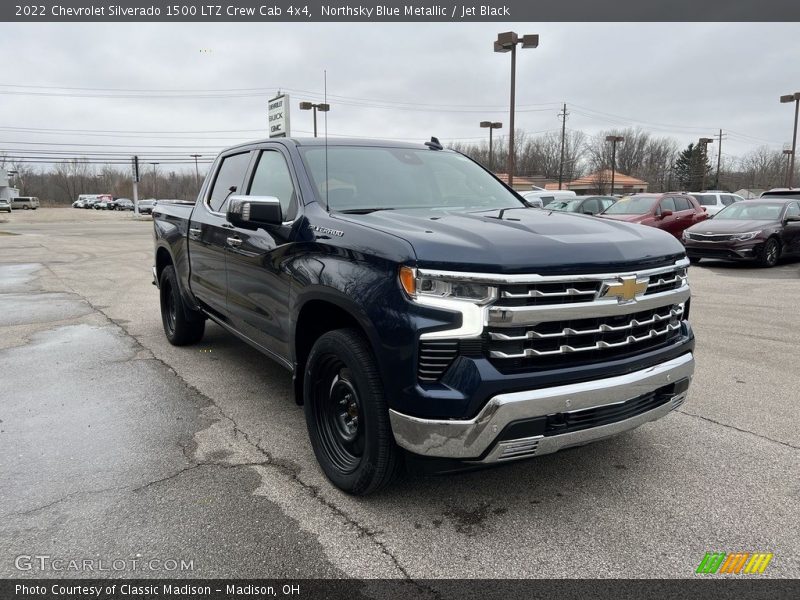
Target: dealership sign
[278,116]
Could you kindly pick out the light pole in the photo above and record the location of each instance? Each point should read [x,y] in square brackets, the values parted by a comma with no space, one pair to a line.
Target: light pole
[789,154]
[322,107]
[155,181]
[703,144]
[614,139]
[196,170]
[507,42]
[784,100]
[491,125]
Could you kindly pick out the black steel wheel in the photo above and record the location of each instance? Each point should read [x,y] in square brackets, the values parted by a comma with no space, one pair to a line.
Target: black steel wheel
[347,415]
[182,325]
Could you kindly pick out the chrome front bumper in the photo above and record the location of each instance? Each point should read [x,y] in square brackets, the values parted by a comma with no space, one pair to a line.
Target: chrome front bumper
[469,440]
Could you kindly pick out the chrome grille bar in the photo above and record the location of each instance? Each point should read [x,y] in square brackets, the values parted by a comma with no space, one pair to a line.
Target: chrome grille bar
[540,294]
[603,328]
[600,345]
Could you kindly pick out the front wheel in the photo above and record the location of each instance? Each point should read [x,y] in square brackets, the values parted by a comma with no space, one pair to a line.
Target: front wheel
[347,415]
[694,259]
[182,325]
[770,253]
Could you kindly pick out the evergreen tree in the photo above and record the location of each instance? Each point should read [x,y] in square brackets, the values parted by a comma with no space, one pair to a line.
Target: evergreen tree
[691,167]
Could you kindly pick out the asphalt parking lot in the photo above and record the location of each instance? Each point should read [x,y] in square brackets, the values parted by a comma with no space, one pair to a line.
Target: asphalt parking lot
[116,445]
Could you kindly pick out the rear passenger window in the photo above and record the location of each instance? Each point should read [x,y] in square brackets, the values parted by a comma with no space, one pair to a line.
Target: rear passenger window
[728,200]
[682,203]
[229,179]
[793,210]
[667,204]
[272,178]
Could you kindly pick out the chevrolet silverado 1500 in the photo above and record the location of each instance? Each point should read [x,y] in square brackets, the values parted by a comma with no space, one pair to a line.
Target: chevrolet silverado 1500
[422,307]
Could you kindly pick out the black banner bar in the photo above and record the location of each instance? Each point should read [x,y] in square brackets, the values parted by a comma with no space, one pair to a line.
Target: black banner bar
[213,11]
[702,588]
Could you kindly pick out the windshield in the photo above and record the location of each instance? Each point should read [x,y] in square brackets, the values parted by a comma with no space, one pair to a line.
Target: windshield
[565,205]
[751,211]
[706,199]
[364,178]
[635,205]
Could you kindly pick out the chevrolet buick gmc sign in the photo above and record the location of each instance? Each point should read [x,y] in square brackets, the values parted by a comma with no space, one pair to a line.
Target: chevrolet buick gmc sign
[278,116]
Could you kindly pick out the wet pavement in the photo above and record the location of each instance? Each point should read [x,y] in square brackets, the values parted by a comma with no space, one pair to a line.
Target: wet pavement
[116,445]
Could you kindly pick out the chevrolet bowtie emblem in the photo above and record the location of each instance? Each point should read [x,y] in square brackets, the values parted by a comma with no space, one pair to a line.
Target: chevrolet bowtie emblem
[625,289]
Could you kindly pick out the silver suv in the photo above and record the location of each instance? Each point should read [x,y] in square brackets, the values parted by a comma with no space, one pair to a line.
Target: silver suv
[714,201]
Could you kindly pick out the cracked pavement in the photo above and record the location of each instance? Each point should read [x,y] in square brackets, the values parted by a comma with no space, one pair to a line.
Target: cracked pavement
[114,444]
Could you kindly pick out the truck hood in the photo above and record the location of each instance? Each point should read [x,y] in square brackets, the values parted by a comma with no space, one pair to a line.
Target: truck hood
[523,241]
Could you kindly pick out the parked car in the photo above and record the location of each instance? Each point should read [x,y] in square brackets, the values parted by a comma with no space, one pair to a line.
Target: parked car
[714,201]
[106,204]
[762,230]
[545,197]
[452,322]
[123,204]
[587,205]
[90,200]
[146,206]
[5,205]
[25,202]
[670,212]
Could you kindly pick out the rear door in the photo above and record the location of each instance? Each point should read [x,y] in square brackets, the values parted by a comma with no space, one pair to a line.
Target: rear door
[685,214]
[258,288]
[209,232]
[791,230]
[668,223]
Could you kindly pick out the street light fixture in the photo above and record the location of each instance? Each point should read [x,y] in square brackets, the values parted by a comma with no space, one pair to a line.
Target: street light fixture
[785,100]
[491,125]
[322,107]
[614,139]
[507,42]
[704,142]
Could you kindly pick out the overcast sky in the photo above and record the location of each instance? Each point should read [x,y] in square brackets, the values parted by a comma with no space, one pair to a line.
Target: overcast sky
[406,81]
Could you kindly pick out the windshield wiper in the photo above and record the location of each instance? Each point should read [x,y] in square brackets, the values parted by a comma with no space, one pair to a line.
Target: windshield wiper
[362,211]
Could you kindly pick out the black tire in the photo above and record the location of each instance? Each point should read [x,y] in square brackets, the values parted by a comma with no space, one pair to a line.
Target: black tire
[25,207]
[347,415]
[182,325]
[694,259]
[770,253]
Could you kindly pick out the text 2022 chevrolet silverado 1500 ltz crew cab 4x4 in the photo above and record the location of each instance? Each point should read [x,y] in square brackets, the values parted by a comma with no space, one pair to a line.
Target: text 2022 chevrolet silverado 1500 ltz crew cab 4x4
[422,307]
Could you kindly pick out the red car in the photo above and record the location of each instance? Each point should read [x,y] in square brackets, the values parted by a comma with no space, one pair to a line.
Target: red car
[671,212]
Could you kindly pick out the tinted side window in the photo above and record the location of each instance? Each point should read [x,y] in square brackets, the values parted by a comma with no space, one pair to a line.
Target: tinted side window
[591,206]
[682,203]
[547,199]
[667,204]
[230,175]
[272,178]
[793,210]
[727,200]
[606,203]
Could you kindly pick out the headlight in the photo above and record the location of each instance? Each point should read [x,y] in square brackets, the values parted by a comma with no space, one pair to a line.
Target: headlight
[685,235]
[741,237]
[417,285]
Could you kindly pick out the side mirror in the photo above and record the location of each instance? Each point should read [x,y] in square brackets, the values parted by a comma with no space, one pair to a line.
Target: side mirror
[792,219]
[665,213]
[252,212]
[534,203]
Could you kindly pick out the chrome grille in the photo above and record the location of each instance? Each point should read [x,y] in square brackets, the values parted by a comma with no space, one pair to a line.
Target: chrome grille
[434,358]
[536,294]
[666,281]
[709,237]
[585,335]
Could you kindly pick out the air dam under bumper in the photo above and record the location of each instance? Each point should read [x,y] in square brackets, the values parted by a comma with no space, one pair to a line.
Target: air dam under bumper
[475,440]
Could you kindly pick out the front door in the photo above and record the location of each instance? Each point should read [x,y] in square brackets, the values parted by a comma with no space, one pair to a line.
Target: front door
[209,232]
[258,287]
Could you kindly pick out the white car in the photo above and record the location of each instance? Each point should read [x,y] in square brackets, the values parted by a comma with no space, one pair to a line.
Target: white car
[540,198]
[5,205]
[714,201]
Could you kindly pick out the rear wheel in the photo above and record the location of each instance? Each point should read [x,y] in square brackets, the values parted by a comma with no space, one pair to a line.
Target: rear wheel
[347,415]
[182,325]
[25,207]
[770,253]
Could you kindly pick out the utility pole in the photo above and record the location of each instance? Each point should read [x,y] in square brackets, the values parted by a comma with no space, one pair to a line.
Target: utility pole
[784,100]
[136,186]
[719,159]
[614,139]
[196,170]
[491,125]
[563,114]
[155,180]
[703,145]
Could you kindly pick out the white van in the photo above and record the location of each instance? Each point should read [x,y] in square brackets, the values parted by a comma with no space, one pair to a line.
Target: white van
[25,202]
[541,198]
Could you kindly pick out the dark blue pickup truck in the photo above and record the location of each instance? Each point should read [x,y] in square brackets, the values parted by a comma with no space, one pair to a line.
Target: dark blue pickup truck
[422,307]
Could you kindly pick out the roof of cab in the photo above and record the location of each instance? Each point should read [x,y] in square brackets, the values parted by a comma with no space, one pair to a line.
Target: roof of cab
[320,141]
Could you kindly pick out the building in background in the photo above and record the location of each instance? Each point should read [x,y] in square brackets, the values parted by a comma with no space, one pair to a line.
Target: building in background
[600,183]
[6,191]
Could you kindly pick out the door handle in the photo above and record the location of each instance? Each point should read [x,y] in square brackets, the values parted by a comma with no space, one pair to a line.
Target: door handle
[234,241]
[195,232]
